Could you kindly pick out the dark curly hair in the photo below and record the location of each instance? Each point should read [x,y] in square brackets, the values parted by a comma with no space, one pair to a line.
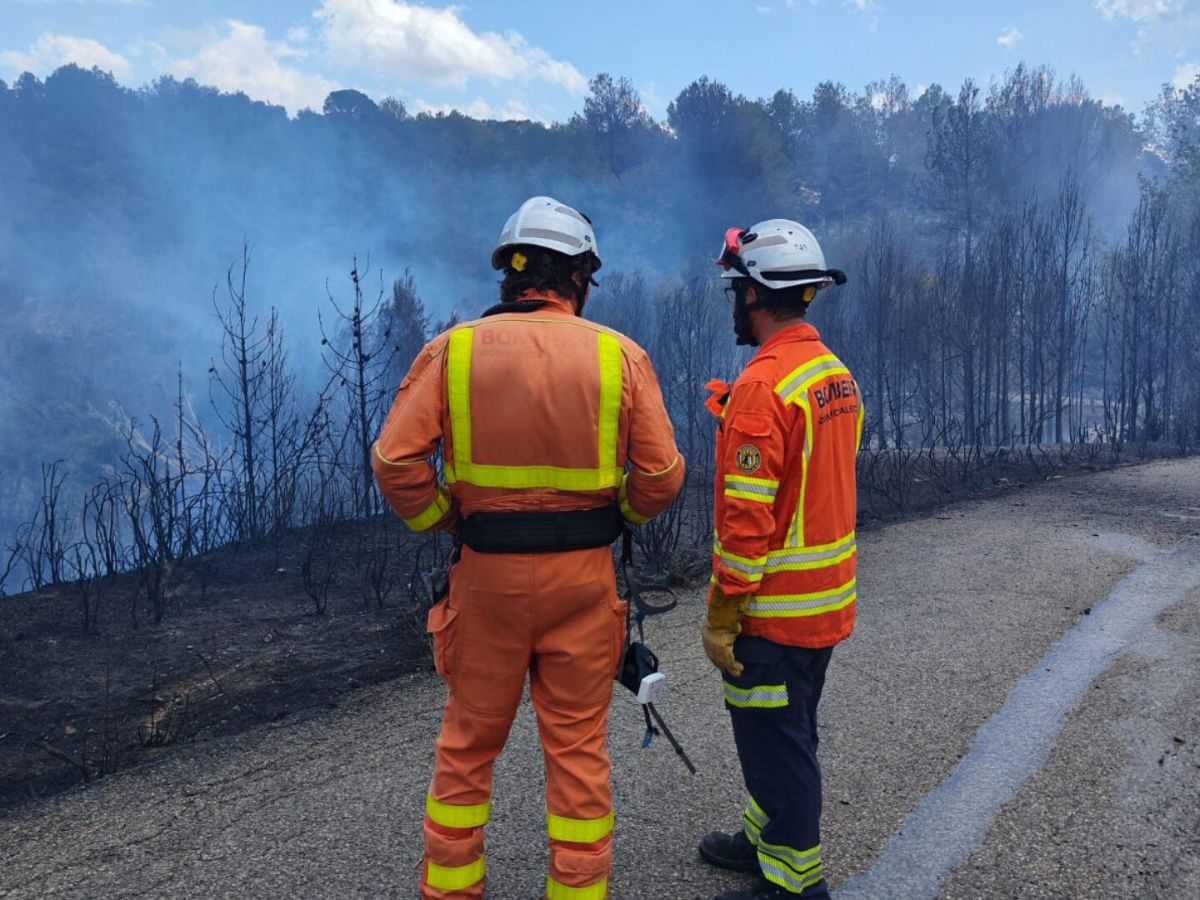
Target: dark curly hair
[545,270]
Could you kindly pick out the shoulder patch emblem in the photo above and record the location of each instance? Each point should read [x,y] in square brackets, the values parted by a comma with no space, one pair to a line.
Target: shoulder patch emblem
[748,458]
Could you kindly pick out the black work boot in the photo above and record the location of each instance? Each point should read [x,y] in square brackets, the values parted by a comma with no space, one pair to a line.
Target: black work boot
[729,851]
[765,890]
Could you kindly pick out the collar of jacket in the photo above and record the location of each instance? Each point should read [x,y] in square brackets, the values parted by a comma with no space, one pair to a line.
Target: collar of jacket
[554,303]
[801,331]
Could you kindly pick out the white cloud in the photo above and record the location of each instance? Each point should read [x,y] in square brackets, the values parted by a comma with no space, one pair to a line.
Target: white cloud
[869,7]
[1185,75]
[1010,37]
[1139,10]
[244,60]
[512,111]
[1164,27]
[50,51]
[761,9]
[411,41]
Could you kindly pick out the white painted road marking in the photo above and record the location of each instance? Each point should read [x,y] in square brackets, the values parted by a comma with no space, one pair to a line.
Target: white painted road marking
[952,820]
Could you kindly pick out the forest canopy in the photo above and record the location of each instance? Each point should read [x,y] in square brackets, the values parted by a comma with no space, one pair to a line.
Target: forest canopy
[1022,255]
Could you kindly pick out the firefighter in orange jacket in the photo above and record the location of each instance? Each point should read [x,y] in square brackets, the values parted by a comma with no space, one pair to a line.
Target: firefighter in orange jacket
[553,433]
[783,586]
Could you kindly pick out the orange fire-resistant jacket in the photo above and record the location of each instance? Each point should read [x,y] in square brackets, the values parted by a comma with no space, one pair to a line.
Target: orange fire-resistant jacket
[785,491]
[551,427]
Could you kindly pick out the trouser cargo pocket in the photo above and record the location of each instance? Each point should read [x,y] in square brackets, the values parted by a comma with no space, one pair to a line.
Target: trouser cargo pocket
[440,625]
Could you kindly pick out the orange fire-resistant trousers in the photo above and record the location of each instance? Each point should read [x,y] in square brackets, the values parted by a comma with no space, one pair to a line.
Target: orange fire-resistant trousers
[556,616]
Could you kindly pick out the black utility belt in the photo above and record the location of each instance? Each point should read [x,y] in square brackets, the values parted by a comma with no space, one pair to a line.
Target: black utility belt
[541,531]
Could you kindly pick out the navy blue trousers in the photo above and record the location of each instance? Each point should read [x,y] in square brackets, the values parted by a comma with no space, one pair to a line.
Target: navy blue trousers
[773,705]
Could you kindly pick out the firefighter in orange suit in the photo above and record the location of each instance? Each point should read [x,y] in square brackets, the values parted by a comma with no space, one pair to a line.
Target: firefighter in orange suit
[553,434]
[783,591]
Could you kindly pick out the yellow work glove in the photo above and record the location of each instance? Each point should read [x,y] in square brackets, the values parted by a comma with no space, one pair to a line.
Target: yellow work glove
[722,628]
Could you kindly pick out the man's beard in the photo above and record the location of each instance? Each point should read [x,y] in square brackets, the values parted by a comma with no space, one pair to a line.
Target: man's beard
[741,324]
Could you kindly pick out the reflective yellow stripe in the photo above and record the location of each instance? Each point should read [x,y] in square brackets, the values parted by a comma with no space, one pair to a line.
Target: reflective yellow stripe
[801,862]
[761,696]
[458,878]
[631,515]
[795,536]
[747,495]
[610,399]
[747,481]
[760,490]
[800,559]
[747,568]
[799,380]
[606,475]
[755,811]
[754,820]
[862,412]
[579,831]
[432,513]
[458,391]
[795,870]
[794,605]
[452,815]
[556,890]
[794,389]
[538,477]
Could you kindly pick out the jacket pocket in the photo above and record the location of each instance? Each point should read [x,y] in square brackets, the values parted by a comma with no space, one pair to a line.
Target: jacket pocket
[439,624]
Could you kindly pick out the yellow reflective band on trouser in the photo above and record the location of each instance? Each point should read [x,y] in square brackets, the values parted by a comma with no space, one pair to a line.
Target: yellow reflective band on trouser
[453,815]
[754,819]
[556,890]
[432,514]
[823,556]
[795,870]
[628,512]
[761,696]
[607,474]
[784,605]
[747,568]
[458,878]
[800,379]
[762,490]
[579,831]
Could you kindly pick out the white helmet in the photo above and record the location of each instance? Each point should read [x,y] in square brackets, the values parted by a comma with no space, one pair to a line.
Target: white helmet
[777,253]
[544,222]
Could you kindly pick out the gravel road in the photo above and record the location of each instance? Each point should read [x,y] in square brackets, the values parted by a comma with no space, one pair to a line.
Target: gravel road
[1016,715]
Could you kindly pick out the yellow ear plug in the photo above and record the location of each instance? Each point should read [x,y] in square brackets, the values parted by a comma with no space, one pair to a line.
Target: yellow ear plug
[518,262]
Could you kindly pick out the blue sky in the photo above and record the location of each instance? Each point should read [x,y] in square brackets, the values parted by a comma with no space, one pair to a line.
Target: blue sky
[526,59]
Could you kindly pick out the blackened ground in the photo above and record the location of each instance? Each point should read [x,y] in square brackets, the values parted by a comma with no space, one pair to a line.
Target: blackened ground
[240,645]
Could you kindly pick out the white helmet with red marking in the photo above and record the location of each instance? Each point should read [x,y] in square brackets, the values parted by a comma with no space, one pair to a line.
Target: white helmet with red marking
[777,253]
